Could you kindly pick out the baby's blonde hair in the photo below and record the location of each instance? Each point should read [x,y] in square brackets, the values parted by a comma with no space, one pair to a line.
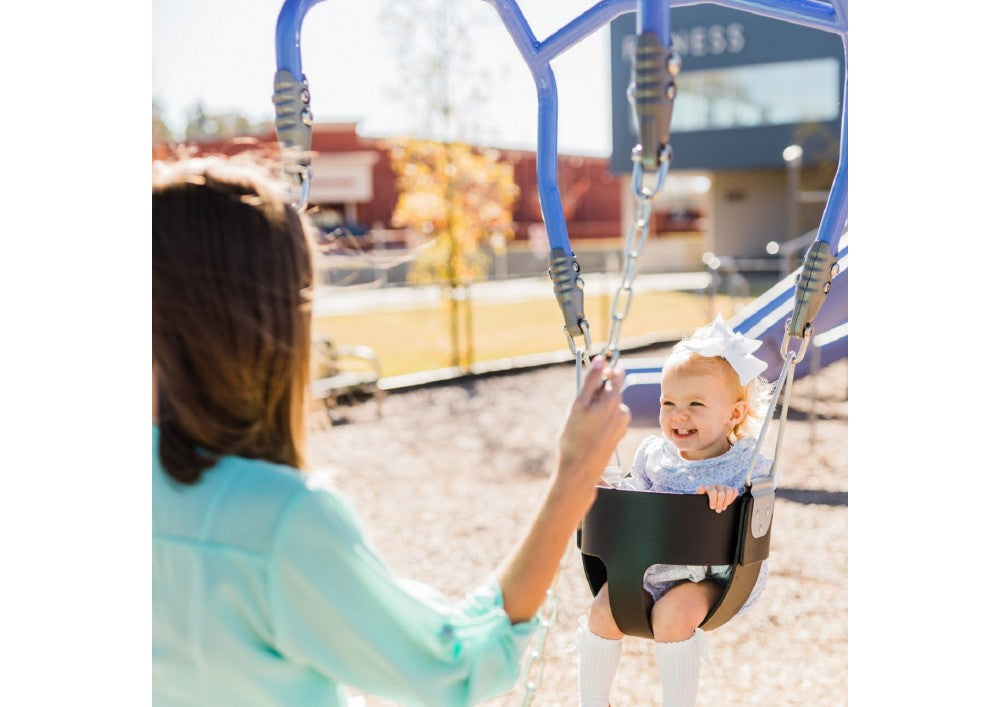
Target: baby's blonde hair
[756,393]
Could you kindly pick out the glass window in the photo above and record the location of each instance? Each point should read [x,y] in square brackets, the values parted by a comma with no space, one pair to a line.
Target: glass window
[753,96]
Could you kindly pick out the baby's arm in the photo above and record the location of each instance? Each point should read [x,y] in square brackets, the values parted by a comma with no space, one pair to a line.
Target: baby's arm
[719,496]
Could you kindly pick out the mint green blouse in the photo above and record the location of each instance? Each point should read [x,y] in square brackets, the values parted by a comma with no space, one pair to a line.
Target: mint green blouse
[265,592]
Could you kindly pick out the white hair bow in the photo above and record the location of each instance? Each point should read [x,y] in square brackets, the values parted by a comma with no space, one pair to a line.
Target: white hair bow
[718,339]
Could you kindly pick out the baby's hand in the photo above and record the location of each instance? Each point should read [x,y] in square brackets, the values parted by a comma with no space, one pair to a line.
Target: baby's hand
[719,496]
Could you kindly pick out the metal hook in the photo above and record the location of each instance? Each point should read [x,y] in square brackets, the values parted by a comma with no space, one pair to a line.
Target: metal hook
[788,337]
[639,173]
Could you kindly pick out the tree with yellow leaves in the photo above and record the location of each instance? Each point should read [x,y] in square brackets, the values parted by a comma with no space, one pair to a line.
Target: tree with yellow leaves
[459,197]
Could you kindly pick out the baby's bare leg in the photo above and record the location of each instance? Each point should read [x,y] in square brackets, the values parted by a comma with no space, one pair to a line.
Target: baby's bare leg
[601,621]
[679,612]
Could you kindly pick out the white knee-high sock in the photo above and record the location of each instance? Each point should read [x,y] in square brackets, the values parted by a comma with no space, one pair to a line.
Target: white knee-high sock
[598,663]
[679,663]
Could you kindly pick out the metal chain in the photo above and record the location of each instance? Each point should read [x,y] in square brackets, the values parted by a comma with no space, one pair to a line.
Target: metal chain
[536,666]
[634,244]
[550,608]
[782,388]
[633,249]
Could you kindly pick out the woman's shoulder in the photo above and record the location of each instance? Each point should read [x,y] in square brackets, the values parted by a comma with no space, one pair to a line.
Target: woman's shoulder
[286,506]
[257,481]
[241,503]
[291,493]
[266,479]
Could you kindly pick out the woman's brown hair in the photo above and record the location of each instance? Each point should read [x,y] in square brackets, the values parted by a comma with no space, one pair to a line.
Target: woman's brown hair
[232,310]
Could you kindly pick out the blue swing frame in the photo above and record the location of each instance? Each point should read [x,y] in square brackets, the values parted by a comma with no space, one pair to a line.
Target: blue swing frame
[752,535]
[294,119]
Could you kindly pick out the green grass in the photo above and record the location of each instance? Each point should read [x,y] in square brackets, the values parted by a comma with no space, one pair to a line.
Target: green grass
[419,339]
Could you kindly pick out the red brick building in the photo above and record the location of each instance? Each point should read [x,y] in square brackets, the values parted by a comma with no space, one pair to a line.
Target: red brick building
[353,184]
[353,177]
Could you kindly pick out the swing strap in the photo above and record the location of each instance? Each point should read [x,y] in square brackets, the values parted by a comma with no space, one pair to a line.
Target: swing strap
[676,529]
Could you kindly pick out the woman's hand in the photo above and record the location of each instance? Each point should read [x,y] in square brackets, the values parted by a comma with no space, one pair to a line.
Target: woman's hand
[719,496]
[597,421]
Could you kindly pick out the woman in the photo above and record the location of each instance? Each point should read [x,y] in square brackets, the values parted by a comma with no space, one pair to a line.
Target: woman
[265,590]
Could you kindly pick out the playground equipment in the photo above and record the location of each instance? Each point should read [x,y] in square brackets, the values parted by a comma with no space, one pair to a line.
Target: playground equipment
[610,551]
[688,532]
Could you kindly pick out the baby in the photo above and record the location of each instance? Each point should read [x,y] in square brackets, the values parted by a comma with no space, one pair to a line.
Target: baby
[712,403]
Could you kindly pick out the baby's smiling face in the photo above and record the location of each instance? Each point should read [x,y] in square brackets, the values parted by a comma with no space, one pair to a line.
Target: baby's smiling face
[700,406]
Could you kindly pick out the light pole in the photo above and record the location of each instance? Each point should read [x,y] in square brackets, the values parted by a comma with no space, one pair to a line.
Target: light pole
[498,244]
[793,161]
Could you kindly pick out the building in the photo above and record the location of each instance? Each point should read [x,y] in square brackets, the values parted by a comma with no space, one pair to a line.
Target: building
[749,88]
[353,186]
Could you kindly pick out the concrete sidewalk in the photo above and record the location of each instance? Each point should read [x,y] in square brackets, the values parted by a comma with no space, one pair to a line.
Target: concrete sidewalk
[347,300]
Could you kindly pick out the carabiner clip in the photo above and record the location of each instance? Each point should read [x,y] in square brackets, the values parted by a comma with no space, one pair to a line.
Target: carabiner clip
[788,337]
[652,93]
[639,172]
[303,201]
[293,125]
[587,345]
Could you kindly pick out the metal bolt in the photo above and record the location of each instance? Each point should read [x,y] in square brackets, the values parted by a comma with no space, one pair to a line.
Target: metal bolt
[826,288]
[671,91]
[307,117]
[304,96]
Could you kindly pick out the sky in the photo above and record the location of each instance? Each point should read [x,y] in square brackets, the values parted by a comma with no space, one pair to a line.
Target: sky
[222,52]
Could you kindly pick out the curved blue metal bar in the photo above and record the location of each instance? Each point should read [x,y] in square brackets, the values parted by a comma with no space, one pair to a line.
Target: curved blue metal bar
[654,16]
[834,218]
[287,35]
[579,27]
[537,53]
[538,56]
[840,11]
[651,16]
[808,13]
